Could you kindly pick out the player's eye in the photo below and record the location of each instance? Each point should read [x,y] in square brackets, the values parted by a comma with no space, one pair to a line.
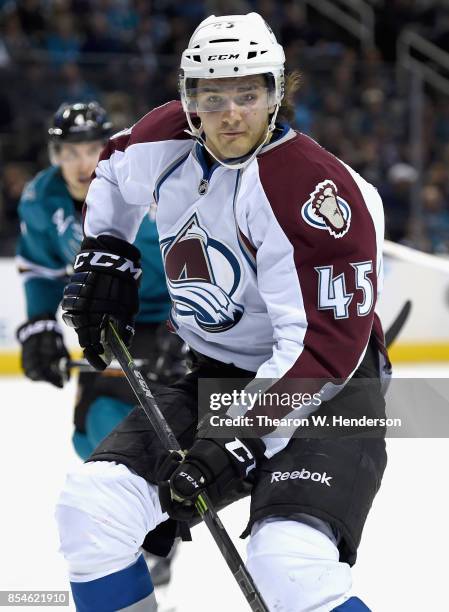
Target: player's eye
[246,99]
[214,100]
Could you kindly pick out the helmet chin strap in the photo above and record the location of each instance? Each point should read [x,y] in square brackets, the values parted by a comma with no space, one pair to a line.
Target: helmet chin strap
[196,134]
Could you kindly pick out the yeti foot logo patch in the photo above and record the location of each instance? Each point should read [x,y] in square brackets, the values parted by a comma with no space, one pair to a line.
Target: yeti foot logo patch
[326,210]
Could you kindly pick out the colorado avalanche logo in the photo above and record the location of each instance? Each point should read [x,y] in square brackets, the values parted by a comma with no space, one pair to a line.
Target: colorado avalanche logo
[326,210]
[193,261]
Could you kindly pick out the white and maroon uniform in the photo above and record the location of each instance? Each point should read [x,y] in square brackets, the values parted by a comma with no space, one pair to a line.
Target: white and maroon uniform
[275,269]
[257,276]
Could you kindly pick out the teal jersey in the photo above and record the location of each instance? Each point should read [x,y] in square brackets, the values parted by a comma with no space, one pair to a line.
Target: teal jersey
[50,237]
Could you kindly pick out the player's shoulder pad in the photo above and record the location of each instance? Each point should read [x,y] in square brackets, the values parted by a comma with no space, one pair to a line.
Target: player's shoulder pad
[42,196]
[311,189]
[166,122]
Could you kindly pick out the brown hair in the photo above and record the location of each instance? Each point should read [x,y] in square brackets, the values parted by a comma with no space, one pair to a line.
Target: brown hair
[292,84]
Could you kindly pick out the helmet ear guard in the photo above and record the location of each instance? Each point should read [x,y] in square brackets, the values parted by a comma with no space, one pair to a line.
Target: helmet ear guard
[228,47]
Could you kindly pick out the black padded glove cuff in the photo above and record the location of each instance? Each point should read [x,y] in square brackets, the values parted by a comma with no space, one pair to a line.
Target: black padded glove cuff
[214,456]
[36,325]
[113,245]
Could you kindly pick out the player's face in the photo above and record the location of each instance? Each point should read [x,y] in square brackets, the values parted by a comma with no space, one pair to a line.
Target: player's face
[77,162]
[234,114]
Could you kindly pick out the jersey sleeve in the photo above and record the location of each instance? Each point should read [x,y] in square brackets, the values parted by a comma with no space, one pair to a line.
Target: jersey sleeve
[319,244]
[39,259]
[123,186]
[107,211]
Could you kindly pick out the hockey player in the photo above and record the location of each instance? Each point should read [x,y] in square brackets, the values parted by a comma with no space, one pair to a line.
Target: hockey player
[50,214]
[272,250]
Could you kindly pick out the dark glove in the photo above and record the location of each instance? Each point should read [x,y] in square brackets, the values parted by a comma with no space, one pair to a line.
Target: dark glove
[104,285]
[42,350]
[210,465]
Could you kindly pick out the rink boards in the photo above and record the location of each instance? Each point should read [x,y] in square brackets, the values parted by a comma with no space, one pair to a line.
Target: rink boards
[425,336]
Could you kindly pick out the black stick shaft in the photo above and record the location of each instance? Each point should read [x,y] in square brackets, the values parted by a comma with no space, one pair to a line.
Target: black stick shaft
[168,439]
[395,328]
[84,366]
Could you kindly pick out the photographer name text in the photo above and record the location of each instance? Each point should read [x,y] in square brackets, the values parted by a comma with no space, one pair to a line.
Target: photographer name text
[315,420]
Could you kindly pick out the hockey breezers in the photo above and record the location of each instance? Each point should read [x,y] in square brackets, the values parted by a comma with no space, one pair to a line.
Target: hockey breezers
[166,436]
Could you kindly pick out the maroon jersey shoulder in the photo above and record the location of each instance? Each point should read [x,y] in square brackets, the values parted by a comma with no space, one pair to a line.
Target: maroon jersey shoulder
[316,199]
[166,122]
[300,170]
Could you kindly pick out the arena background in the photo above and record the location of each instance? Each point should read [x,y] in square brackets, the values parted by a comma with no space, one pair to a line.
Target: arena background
[375,91]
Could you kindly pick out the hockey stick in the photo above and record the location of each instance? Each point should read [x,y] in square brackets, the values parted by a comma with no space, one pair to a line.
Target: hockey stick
[168,439]
[395,328]
[84,366]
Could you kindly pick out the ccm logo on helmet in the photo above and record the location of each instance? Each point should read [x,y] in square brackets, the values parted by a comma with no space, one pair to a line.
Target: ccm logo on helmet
[302,475]
[223,56]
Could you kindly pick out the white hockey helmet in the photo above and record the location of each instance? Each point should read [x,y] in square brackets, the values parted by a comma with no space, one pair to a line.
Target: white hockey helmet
[233,46]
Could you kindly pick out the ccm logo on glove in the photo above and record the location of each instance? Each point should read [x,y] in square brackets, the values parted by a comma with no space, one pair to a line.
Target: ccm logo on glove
[245,454]
[192,481]
[107,260]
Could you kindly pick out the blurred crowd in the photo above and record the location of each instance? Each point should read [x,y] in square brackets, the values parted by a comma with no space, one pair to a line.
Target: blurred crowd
[125,54]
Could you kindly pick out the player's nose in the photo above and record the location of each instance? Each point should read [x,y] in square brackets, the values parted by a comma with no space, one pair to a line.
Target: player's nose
[232,114]
[86,167]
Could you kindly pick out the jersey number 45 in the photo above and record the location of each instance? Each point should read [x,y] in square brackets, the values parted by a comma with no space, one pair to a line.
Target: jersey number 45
[332,293]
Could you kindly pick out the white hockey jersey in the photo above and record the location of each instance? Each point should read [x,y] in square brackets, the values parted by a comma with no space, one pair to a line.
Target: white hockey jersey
[275,268]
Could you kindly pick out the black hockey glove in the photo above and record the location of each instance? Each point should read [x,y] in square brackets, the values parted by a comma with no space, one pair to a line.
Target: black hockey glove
[104,285]
[209,465]
[43,349]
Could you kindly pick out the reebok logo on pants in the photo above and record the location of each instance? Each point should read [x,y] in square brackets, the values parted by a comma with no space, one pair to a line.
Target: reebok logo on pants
[302,475]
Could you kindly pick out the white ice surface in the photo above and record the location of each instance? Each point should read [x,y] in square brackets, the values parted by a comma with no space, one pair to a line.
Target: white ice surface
[402,563]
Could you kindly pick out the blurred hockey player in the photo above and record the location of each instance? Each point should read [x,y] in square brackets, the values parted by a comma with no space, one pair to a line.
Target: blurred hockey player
[50,214]
[273,256]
